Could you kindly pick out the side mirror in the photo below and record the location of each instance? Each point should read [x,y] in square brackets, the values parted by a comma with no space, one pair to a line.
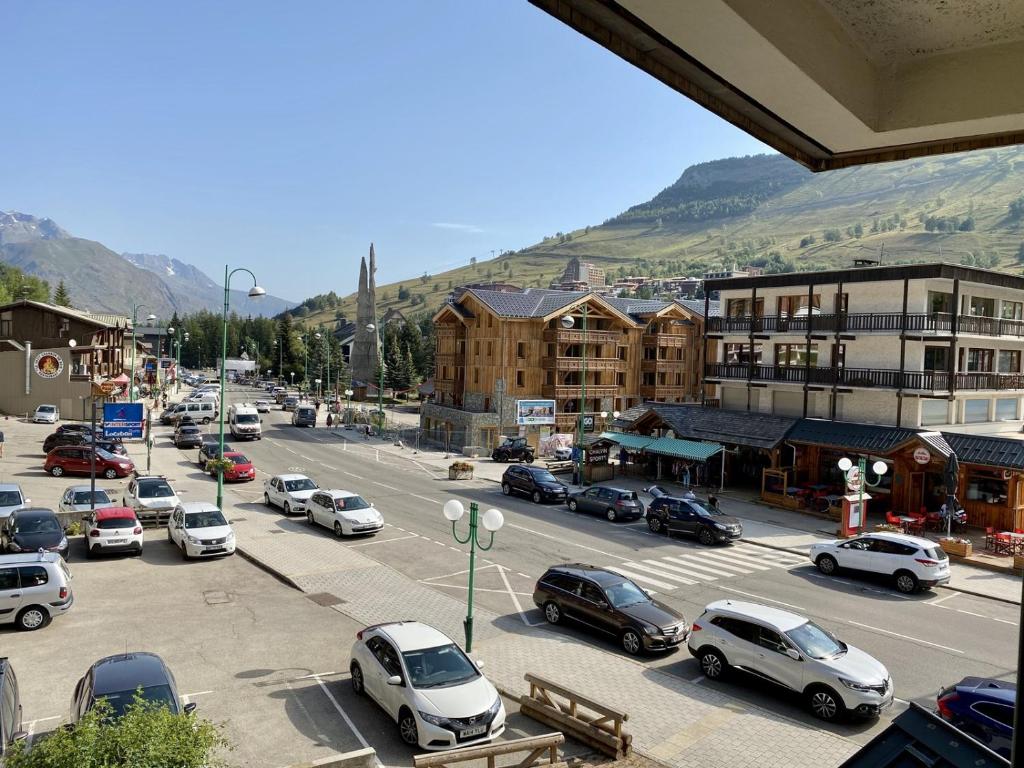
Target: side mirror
[602,604]
[19,735]
[479,663]
[189,708]
[793,653]
[395,680]
[28,501]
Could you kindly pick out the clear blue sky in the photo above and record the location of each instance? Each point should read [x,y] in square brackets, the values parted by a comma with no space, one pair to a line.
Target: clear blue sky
[287,136]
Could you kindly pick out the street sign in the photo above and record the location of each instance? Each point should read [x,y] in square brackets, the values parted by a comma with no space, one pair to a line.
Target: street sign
[122,419]
[588,423]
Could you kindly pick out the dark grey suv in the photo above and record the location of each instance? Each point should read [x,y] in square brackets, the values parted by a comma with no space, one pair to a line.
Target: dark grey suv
[691,517]
[535,482]
[613,503]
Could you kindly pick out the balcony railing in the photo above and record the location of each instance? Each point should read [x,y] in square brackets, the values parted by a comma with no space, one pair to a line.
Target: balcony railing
[663,366]
[936,322]
[576,364]
[569,422]
[664,339]
[659,391]
[444,385]
[564,391]
[450,331]
[933,381]
[450,358]
[576,336]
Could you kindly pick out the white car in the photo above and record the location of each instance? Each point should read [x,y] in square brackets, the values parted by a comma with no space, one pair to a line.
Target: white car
[114,529]
[289,492]
[563,453]
[344,512]
[12,498]
[198,529]
[792,652]
[913,562]
[151,496]
[262,406]
[427,685]
[76,499]
[46,414]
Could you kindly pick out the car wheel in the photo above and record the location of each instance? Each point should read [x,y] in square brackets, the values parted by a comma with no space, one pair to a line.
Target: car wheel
[706,537]
[712,664]
[110,473]
[536,497]
[631,642]
[356,673]
[906,582]
[56,471]
[528,459]
[506,489]
[184,551]
[90,553]
[309,517]
[32,618]
[826,564]
[825,703]
[610,514]
[206,420]
[552,612]
[338,530]
[572,505]
[407,728]
[266,500]
[137,552]
[287,508]
[654,523]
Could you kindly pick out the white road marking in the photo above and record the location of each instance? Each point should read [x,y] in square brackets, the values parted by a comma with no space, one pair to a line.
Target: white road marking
[318,674]
[520,573]
[352,474]
[904,637]
[424,498]
[345,717]
[759,597]
[942,599]
[563,541]
[290,450]
[755,560]
[767,552]
[697,680]
[384,541]
[971,613]
[694,562]
[384,485]
[328,466]
[197,693]
[478,589]
[660,573]
[725,562]
[514,596]
[305,457]
[637,577]
[676,569]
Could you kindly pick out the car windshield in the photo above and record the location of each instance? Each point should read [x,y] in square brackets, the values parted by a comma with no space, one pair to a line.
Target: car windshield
[190,430]
[10,498]
[238,459]
[82,497]
[816,642]
[628,496]
[45,409]
[157,694]
[155,490]
[625,593]
[305,484]
[109,523]
[543,476]
[704,508]
[36,525]
[205,519]
[351,502]
[439,667]
[247,418]
[105,454]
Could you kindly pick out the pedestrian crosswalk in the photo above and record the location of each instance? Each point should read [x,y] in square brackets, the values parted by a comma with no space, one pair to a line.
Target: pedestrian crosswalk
[690,566]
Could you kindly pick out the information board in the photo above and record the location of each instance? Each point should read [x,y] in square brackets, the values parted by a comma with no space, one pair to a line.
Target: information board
[122,419]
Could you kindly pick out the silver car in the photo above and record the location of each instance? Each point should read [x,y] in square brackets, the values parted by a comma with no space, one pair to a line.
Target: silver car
[793,652]
[11,498]
[76,499]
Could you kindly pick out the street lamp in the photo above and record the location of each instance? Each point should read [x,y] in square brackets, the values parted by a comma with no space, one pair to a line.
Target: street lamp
[858,477]
[380,384]
[568,321]
[318,336]
[254,293]
[348,404]
[135,321]
[317,382]
[292,374]
[492,521]
[280,359]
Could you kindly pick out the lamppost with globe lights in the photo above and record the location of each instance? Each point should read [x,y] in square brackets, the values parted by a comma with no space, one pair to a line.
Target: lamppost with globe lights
[380,368]
[568,321]
[135,321]
[319,336]
[348,404]
[317,382]
[492,521]
[280,359]
[857,477]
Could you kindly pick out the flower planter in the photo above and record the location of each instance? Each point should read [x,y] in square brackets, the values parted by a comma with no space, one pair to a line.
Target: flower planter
[1018,562]
[958,548]
[460,471]
[887,528]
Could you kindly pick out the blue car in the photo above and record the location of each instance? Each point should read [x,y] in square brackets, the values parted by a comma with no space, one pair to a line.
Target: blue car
[983,708]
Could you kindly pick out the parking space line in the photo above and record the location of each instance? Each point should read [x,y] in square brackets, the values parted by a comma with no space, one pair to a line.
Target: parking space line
[513,595]
[345,717]
[904,637]
[424,498]
[942,599]
[352,474]
[384,541]
[564,541]
[759,597]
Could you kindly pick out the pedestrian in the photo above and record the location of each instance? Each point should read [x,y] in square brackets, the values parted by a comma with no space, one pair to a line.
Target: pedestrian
[713,502]
[366,433]
[330,421]
[1,445]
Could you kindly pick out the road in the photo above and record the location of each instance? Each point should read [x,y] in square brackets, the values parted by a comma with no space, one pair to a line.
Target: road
[927,640]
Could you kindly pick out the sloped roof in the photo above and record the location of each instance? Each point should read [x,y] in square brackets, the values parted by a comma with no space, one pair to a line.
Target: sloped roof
[1002,452]
[541,302]
[695,422]
[841,434]
[697,306]
[102,321]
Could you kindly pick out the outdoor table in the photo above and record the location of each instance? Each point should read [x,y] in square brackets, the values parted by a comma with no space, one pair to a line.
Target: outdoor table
[905,521]
[1016,542]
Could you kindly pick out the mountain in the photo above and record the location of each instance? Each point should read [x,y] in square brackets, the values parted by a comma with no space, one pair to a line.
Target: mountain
[769,212]
[101,280]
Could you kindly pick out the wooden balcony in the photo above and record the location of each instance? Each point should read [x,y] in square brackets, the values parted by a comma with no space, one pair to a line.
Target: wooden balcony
[444,385]
[662,391]
[567,391]
[884,378]
[938,323]
[664,340]
[569,422]
[576,364]
[450,358]
[575,336]
[663,366]
[449,331]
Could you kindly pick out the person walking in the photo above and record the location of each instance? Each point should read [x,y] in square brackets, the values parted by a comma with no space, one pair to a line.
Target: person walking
[330,421]
[1,445]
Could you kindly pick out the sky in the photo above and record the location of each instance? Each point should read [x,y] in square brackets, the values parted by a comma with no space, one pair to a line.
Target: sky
[286,137]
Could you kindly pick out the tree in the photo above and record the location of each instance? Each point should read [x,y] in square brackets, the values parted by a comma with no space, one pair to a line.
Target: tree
[403,293]
[967,225]
[472,261]
[60,296]
[832,236]
[1016,208]
[808,240]
[645,292]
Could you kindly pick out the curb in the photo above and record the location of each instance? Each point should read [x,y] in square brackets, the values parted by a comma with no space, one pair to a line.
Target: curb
[267,569]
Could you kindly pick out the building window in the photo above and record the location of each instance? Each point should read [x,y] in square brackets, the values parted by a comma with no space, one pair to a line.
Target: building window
[549,377]
[490,321]
[936,358]
[1009,361]
[795,354]
[520,379]
[487,404]
[736,354]
[839,355]
[934,412]
[623,353]
[975,410]
[550,350]
[939,302]
[521,350]
[978,360]
[741,307]
[476,348]
[797,305]
[6,324]
[1006,409]
[979,306]
[620,379]
[490,349]
[987,486]
[841,303]
[476,375]
[1012,310]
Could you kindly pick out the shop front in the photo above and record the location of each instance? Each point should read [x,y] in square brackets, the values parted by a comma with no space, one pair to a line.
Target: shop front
[991,479]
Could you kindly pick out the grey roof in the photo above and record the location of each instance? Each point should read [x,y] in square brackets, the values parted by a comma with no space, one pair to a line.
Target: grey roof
[628,416]
[1002,452]
[695,422]
[540,302]
[697,305]
[841,434]
[637,306]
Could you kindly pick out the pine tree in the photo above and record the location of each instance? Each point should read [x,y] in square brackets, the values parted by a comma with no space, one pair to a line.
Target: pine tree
[60,296]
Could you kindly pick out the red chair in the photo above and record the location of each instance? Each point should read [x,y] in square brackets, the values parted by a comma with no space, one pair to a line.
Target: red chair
[893,519]
[990,538]
[1003,544]
[916,527]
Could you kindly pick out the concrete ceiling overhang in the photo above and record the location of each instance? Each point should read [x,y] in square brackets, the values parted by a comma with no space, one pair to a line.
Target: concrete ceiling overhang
[830,83]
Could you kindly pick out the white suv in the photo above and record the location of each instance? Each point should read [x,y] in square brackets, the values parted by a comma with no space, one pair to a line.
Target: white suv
[792,652]
[913,562]
[199,529]
[427,685]
[151,496]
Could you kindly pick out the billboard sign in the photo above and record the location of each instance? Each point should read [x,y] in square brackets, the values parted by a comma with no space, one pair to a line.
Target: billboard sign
[122,419]
[532,412]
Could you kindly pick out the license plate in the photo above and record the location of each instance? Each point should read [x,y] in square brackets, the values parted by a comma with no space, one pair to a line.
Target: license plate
[475,731]
[118,541]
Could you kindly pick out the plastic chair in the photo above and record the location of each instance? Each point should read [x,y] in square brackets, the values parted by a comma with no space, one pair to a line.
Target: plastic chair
[990,538]
[892,519]
[1003,544]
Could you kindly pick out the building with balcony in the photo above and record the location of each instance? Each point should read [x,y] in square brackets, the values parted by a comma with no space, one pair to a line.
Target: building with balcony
[495,349]
[580,275]
[922,345]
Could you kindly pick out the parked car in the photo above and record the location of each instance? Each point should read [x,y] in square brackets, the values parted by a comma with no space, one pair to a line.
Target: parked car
[535,482]
[210,449]
[112,529]
[58,439]
[11,498]
[199,529]
[74,426]
[167,416]
[913,563]
[613,503]
[188,437]
[34,589]
[610,604]
[792,652]
[11,722]
[241,468]
[77,460]
[117,679]
[304,416]
[562,453]
[422,679]
[513,449]
[983,708]
[289,402]
[33,529]
[289,492]
[46,414]
[77,498]
[151,496]
[344,512]
[111,445]
[262,406]
[690,517]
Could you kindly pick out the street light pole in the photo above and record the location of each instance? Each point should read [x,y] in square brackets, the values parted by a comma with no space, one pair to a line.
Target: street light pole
[380,382]
[348,404]
[568,322]
[254,292]
[846,467]
[135,321]
[492,522]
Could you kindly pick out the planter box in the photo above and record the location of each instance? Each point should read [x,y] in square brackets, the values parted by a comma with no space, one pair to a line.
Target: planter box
[460,474]
[887,528]
[965,549]
[1018,562]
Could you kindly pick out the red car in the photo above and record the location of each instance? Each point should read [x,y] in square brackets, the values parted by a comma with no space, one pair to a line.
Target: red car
[241,467]
[75,460]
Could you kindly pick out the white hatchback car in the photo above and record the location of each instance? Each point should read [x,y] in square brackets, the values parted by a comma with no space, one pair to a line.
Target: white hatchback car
[913,562]
[46,414]
[427,685]
[199,529]
[289,492]
[344,512]
[113,529]
[790,651]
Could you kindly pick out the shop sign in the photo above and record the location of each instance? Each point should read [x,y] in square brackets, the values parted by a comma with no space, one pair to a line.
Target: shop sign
[853,479]
[535,412]
[48,365]
[597,455]
[922,456]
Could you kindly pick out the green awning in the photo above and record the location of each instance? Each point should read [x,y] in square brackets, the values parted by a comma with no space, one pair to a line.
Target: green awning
[630,442]
[683,449]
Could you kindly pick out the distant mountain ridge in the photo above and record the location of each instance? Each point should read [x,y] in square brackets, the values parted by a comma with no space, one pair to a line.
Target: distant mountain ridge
[101,280]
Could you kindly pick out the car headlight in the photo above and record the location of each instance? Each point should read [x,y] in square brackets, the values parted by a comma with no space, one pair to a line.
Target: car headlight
[721,527]
[230,536]
[650,629]
[192,539]
[441,722]
[63,542]
[854,685]
[495,707]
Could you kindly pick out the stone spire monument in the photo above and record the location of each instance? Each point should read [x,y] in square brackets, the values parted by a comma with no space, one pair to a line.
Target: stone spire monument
[366,344]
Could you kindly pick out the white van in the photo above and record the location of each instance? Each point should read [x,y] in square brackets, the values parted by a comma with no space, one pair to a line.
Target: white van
[244,421]
[203,411]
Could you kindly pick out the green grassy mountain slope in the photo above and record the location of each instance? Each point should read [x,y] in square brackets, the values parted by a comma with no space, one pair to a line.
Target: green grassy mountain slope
[767,211]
